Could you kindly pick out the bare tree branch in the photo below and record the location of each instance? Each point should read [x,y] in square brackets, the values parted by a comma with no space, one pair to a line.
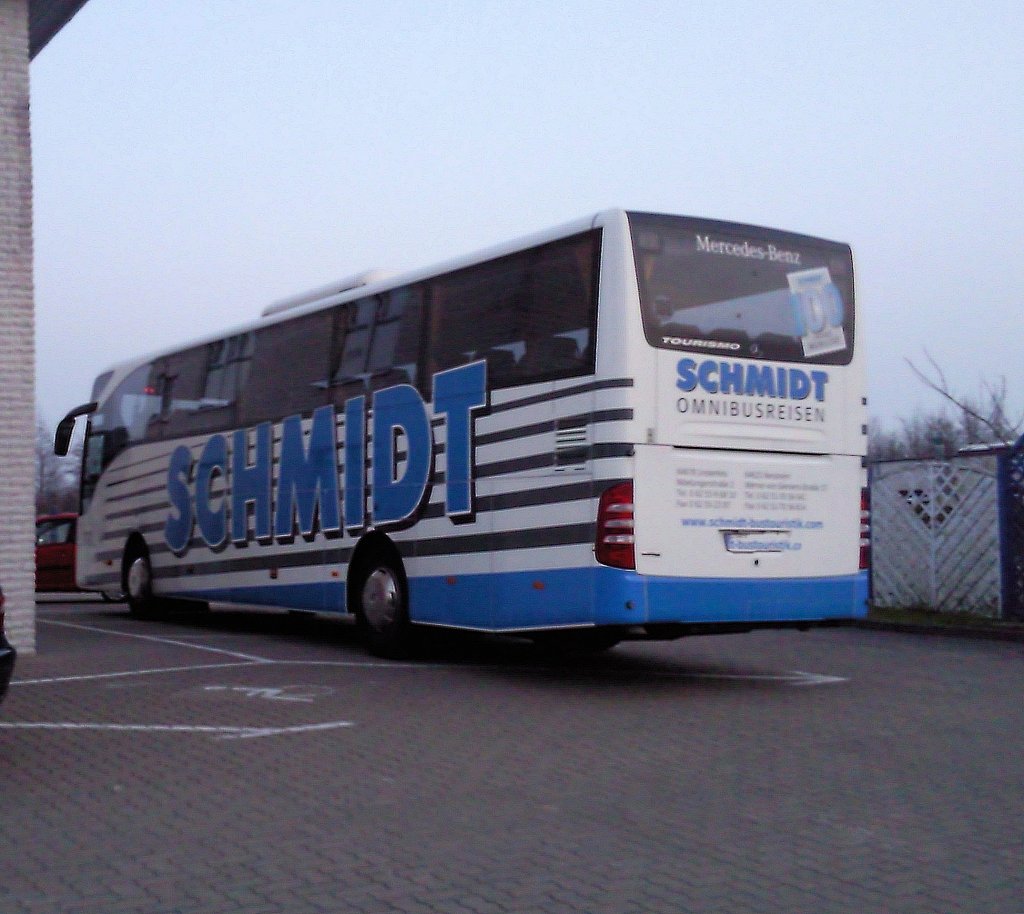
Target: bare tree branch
[996,422]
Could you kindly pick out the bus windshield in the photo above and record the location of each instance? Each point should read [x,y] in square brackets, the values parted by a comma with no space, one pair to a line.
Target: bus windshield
[716,287]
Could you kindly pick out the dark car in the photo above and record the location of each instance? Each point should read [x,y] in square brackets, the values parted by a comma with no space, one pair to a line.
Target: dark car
[6,653]
[55,555]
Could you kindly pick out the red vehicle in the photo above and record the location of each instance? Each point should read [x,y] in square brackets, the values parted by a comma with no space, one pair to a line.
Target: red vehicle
[55,552]
[55,555]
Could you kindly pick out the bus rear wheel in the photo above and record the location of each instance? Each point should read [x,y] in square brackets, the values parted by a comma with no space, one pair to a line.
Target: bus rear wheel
[382,606]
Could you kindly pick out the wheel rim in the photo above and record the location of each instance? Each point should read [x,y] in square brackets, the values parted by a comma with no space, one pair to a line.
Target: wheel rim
[138,579]
[380,598]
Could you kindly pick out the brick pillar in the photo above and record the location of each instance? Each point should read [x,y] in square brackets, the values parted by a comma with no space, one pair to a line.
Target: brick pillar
[17,333]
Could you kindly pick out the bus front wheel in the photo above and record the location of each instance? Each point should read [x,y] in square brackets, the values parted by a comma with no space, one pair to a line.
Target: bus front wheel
[382,607]
[138,582]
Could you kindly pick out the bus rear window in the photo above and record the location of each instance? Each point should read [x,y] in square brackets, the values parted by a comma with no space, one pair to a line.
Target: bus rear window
[717,287]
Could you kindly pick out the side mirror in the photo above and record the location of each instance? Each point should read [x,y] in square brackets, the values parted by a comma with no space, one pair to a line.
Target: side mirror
[62,440]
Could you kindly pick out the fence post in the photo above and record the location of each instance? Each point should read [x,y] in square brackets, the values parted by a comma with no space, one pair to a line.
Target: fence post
[1002,486]
[1010,495]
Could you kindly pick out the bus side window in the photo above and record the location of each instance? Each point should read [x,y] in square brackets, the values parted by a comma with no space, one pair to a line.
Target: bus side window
[197,387]
[394,351]
[502,366]
[530,315]
[560,311]
[181,390]
[127,412]
[290,366]
[477,312]
[353,327]
[376,343]
[227,370]
[548,356]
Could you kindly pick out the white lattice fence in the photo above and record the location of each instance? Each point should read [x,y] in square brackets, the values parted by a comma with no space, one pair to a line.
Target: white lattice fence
[935,535]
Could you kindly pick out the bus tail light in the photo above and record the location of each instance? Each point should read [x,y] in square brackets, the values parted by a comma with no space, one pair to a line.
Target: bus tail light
[865,528]
[615,540]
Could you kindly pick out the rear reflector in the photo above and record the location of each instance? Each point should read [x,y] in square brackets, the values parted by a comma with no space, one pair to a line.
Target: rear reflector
[614,545]
[865,528]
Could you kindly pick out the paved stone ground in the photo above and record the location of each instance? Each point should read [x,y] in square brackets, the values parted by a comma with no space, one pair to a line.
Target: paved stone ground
[262,763]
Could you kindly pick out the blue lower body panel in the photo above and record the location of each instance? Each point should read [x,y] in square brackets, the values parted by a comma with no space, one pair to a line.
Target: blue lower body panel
[624,595]
[587,596]
[608,596]
[322,597]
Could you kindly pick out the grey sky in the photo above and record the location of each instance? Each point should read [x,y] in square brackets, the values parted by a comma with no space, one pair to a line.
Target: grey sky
[196,159]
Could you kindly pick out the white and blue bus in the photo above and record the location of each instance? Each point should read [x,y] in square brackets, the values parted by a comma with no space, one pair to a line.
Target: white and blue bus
[632,426]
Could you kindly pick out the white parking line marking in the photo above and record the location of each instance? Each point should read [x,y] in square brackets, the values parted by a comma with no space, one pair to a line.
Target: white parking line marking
[276,693]
[793,677]
[171,641]
[309,693]
[220,732]
[254,732]
[810,679]
[389,664]
[126,673]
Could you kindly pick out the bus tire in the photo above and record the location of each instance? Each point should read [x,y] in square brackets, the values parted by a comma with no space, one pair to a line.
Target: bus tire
[138,581]
[381,605]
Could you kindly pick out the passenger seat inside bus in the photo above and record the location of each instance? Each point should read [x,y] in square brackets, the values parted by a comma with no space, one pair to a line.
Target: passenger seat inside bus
[501,367]
[548,354]
[389,377]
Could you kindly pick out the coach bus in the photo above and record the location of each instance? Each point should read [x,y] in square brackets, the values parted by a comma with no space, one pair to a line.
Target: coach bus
[634,426]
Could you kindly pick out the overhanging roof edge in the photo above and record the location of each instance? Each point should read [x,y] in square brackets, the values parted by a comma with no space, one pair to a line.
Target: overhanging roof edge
[46,18]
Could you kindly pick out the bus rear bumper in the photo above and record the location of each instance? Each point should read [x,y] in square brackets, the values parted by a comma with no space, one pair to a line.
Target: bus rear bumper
[626,598]
[599,595]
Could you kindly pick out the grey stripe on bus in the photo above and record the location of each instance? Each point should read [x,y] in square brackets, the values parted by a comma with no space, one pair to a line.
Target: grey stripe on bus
[599,451]
[521,498]
[566,535]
